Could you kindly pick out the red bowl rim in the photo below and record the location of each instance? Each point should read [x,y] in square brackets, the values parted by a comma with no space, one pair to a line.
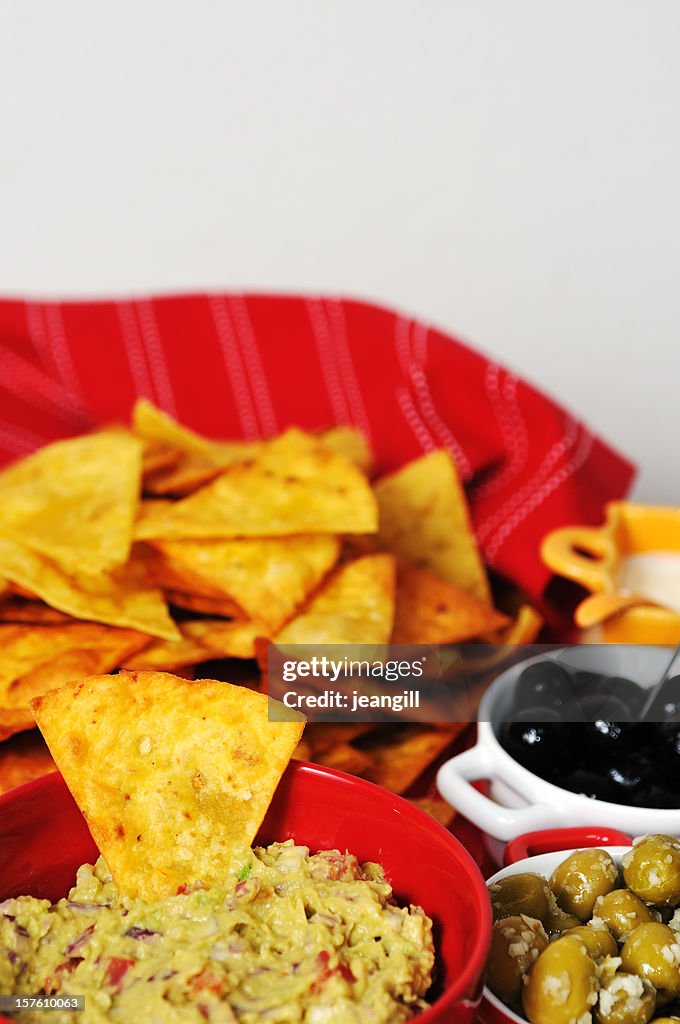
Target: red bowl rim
[471,973]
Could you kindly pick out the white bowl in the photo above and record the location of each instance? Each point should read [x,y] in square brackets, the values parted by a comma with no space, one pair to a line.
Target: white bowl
[493,1010]
[521,801]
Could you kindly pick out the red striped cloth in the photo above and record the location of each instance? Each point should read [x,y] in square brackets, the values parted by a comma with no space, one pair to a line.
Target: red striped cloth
[233,365]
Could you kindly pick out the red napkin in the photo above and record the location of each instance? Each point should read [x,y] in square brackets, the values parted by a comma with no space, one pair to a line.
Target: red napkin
[233,365]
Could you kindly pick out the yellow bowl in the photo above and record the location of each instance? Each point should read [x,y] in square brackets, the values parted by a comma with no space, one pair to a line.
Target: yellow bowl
[592,556]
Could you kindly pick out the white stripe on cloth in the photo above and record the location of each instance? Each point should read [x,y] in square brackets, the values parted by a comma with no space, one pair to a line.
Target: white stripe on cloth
[329,369]
[335,314]
[425,400]
[155,355]
[134,350]
[579,459]
[412,417]
[506,409]
[61,353]
[234,367]
[17,441]
[36,334]
[550,460]
[402,342]
[252,360]
[37,390]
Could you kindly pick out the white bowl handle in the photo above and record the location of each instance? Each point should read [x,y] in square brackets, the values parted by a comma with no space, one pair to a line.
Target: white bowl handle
[453,782]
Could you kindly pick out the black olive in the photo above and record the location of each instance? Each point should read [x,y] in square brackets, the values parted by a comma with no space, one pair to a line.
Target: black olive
[630,693]
[536,737]
[605,739]
[666,704]
[543,684]
[656,796]
[631,773]
[591,784]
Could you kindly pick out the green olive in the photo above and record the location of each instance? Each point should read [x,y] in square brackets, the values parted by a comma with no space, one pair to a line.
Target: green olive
[557,921]
[562,985]
[622,911]
[652,870]
[597,941]
[516,943]
[652,951]
[520,894]
[625,999]
[581,878]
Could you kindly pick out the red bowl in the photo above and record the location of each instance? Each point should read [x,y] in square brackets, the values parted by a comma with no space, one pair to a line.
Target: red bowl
[44,839]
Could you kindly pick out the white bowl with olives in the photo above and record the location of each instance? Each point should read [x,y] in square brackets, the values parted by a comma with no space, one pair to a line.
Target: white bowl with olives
[587,937]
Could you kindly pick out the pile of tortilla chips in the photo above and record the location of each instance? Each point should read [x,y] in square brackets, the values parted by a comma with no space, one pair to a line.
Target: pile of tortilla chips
[153,548]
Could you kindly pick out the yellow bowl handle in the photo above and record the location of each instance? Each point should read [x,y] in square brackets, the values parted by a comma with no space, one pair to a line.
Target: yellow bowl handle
[562,551]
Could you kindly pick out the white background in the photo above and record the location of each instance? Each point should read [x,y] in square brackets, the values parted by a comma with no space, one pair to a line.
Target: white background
[508,169]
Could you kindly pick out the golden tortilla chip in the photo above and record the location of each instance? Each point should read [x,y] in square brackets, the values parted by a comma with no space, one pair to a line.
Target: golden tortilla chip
[37,658]
[430,610]
[173,777]
[344,757]
[15,720]
[269,578]
[424,517]
[294,485]
[355,606]
[121,598]
[214,606]
[22,758]
[157,457]
[436,807]
[400,753]
[322,735]
[188,474]
[351,443]
[202,640]
[303,751]
[153,424]
[14,608]
[75,501]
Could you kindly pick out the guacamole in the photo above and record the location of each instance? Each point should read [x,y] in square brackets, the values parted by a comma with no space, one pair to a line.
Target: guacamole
[290,937]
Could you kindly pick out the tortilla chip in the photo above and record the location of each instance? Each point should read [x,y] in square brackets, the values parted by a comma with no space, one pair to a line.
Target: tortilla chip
[322,735]
[525,629]
[213,606]
[294,485]
[269,578]
[15,720]
[436,807]
[37,658]
[424,517]
[351,443]
[173,777]
[188,474]
[157,457]
[121,598]
[343,757]
[152,424]
[355,606]
[23,758]
[303,751]
[14,608]
[202,640]
[75,501]
[400,753]
[430,610]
